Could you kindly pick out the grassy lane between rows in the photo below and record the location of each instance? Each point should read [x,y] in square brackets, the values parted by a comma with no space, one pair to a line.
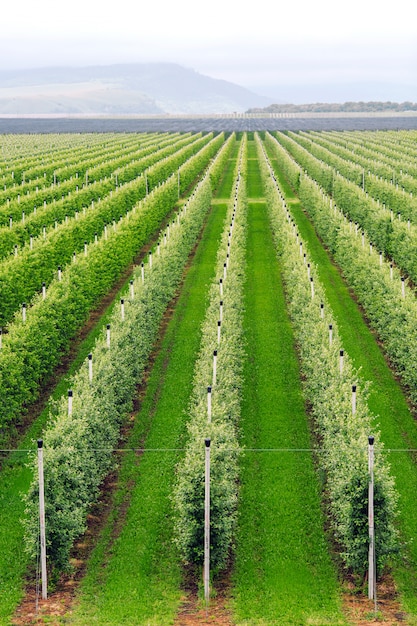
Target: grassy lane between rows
[387,401]
[134,575]
[283,570]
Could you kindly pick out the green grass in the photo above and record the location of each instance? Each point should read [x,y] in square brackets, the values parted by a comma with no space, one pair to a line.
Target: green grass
[387,401]
[283,571]
[254,183]
[224,190]
[136,578]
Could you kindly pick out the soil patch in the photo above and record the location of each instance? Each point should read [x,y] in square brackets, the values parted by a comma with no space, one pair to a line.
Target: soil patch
[361,612]
[193,610]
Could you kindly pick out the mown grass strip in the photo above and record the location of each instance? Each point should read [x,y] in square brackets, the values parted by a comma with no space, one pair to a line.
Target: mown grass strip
[136,577]
[221,427]
[396,423]
[283,570]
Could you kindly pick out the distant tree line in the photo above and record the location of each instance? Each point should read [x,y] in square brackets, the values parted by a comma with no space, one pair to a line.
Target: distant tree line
[328,107]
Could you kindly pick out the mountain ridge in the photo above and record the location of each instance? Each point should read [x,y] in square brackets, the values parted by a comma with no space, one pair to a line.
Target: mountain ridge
[121,89]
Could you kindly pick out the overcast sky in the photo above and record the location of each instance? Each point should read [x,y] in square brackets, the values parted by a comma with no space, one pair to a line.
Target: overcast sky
[296,51]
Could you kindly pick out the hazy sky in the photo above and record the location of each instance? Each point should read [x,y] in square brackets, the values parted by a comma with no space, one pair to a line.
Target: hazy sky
[294,50]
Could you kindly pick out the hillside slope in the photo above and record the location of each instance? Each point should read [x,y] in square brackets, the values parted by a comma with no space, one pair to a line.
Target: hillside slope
[121,89]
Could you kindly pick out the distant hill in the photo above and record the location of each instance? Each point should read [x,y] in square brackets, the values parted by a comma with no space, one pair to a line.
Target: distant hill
[141,88]
[336,107]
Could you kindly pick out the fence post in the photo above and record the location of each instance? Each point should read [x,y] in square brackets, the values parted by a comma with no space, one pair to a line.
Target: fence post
[207,525]
[372,561]
[42,521]
[209,404]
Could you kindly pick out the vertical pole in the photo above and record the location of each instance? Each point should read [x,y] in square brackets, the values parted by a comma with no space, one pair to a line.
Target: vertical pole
[90,367]
[108,335]
[142,267]
[69,402]
[221,310]
[330,334]
[42,521]
[132,291]
[122,309]
[403,287]
[341,355]
[312,288]
[214,366]
[219,324]
[43,291]
[207,525]
[353,399]
[371,566]
[209,404]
